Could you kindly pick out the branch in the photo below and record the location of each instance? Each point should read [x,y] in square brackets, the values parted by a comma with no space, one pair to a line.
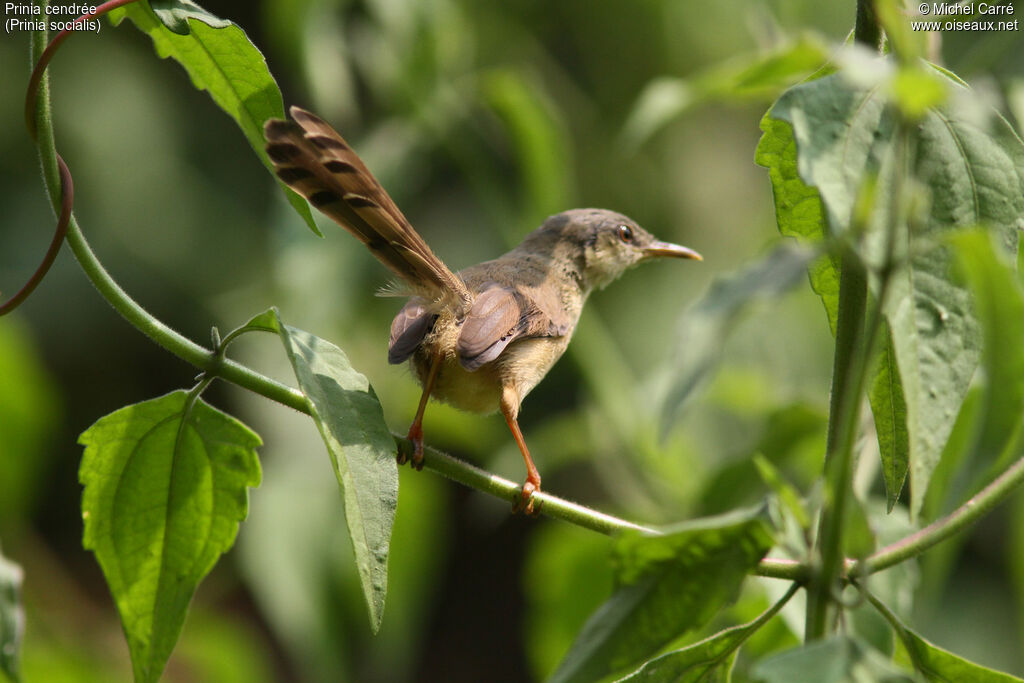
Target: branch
[970,512]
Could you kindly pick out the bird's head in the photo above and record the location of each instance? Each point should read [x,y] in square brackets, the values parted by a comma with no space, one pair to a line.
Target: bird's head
[606,244]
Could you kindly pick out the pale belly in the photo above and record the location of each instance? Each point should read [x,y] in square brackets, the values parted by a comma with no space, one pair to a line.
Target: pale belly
[521,366]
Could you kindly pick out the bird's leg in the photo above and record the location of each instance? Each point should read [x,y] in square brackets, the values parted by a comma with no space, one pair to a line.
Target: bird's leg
[416,428]
[510,409]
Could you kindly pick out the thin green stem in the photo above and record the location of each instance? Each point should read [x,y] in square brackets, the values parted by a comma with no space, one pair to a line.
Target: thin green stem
[847,373]
[854,343]
[970,512]
[867,31]
[511,491]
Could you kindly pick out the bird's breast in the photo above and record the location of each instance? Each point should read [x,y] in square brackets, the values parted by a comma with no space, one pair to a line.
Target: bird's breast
[521,365]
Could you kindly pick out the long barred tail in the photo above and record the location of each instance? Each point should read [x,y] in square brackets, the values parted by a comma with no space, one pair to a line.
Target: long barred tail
[315,161]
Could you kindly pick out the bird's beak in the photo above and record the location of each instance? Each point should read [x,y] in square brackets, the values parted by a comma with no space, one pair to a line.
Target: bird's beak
[658,249]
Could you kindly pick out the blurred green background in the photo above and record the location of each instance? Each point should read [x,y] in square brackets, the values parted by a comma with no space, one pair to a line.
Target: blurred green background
[480,119]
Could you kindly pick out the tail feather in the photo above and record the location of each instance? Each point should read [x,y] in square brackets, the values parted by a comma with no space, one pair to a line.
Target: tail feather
[315,161]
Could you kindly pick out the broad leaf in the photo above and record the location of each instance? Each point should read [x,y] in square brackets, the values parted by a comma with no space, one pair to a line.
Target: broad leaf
[347,413]
[175,15]
[667,585]
[709,661]
[999,306]
[12,617]
[220,59]
[842,135]
[839,659]
[165,488]
[706,324]
[798,210]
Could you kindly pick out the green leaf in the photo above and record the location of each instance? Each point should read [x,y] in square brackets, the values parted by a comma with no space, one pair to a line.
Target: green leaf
[174,14]
[12,617]
[165,487]
[220,59]
[708,661]
[933,662]
[839,659]
[667,585]
[858,537]
[798,210]
[347,413]
[999,306]
[707,323]
[889,408]
[974,173]
[943,666]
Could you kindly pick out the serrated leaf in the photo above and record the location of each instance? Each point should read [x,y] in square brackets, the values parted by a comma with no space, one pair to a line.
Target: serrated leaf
[973,174]
[166,484]
[350,419]
[839,659]
[705,325]
[667,585]
[12,617]
[223,62]
[999,306]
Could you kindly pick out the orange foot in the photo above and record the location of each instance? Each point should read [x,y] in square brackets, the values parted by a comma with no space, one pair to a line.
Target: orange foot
[526,502]
[416,436]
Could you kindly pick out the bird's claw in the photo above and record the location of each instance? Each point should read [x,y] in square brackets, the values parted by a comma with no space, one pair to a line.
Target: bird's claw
[416,437]
[526,503]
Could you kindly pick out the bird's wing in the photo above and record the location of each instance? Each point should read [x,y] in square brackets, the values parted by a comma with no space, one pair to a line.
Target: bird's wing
[498,317]
[408,329]
[315,161]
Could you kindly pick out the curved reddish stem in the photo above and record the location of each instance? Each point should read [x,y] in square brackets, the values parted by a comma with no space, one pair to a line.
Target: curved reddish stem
[67,186]
[67,200]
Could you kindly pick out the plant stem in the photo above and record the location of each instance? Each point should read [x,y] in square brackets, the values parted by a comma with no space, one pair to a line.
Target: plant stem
[492,484]
[844,413]
[866,30]
[970,512]
[901,630]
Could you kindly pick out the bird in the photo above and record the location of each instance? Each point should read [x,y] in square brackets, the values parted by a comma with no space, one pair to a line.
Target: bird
[479,339]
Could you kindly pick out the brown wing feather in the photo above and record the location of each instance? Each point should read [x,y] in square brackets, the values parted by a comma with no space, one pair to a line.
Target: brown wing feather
[315,161]
[498,317]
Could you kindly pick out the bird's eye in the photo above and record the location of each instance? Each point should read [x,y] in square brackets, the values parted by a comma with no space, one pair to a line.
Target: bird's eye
[625,233]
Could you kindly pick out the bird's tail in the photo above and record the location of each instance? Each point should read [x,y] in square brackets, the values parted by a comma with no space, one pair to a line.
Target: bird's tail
[315,161]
